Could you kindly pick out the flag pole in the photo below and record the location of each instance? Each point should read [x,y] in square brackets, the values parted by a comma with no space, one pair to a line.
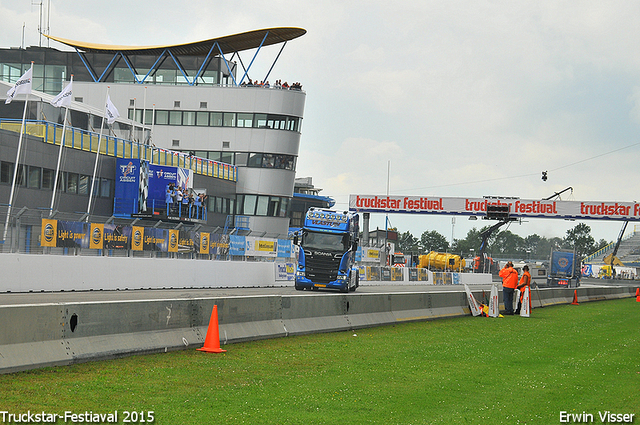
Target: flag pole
[153,120]
[95,166]
[145,141]
[15,169]
[64,132]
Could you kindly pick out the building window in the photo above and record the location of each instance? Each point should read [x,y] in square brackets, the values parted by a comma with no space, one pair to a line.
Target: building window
[21,178]
[202,118]
[47,178]
[255,160]
[83,185]
[284,207]
[241,158]
[175,142]
[260,121]
[219,119]
[72,183]
[148,116]
[262,205]
[176,104]
[105,188]
[227,157]
[249,206]
[229,119]
[268,160]
[162,117]
[188,118]
[216,119]
[33,180]
[175,117]
[245,120]
[274,207]
[6,172]
[62,178]
[203,105]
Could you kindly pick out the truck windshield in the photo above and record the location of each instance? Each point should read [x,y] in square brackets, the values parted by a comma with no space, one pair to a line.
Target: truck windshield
[325,241]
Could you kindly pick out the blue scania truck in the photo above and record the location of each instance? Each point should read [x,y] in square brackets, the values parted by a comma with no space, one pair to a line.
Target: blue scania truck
[327,242]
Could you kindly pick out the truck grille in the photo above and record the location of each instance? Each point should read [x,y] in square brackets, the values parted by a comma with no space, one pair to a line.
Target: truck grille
[321,268]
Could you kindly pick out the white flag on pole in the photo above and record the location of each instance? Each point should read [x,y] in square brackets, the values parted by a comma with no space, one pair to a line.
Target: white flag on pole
[64,97]
[112,111]
[23,85]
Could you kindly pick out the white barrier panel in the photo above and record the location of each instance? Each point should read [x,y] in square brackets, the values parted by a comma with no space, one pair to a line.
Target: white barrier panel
[24,273]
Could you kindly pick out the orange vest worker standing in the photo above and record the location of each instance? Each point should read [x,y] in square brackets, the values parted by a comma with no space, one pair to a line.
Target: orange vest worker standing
[509,277]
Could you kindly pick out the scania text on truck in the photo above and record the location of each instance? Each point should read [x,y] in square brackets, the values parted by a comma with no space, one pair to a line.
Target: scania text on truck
[328,243]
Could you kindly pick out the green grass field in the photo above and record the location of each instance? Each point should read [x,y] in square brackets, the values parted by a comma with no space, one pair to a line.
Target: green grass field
[466,370]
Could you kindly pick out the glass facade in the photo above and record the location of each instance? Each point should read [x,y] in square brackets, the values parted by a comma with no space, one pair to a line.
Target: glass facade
[216,119]
[262,205]
[46,78]
[251,159]
[33,177]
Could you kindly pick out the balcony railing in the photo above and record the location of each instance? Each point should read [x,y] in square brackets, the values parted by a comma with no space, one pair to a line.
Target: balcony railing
[121,148]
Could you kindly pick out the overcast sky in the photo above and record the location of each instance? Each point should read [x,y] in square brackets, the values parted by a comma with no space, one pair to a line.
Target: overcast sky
[455,98]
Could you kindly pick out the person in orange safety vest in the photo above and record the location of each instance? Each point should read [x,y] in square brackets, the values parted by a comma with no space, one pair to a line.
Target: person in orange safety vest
[509,277]
[525,282]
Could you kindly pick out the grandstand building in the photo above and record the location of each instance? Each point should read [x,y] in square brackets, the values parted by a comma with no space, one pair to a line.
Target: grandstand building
[191,105]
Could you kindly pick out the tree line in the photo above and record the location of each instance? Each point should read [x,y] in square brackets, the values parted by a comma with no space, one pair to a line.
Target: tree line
[503,243]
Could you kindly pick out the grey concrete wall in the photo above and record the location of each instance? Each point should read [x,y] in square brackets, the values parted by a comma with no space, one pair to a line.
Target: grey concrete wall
[24,273]
[40,335]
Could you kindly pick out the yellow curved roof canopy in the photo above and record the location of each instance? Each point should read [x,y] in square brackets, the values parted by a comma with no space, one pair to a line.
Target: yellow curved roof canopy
[228,44]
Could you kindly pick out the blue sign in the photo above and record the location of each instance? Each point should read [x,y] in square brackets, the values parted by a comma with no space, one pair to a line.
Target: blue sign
[160,176]
[562,263]
[285,247]
[236,245]
[127,185]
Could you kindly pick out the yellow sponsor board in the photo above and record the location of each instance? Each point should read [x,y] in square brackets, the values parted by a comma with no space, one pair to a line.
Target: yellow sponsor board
[137,238]
[173,241]
[265,246]
[48,234]
[204,243]
[96,241]
[373,253]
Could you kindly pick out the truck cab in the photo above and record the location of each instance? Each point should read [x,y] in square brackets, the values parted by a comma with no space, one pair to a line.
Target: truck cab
[328,242]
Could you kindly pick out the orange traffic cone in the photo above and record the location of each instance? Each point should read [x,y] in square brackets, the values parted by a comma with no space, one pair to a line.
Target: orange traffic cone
[638,295]
[212,340]
[575,297]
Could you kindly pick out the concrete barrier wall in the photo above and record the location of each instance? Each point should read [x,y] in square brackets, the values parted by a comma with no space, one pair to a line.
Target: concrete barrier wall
[24,273]
[39,335]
